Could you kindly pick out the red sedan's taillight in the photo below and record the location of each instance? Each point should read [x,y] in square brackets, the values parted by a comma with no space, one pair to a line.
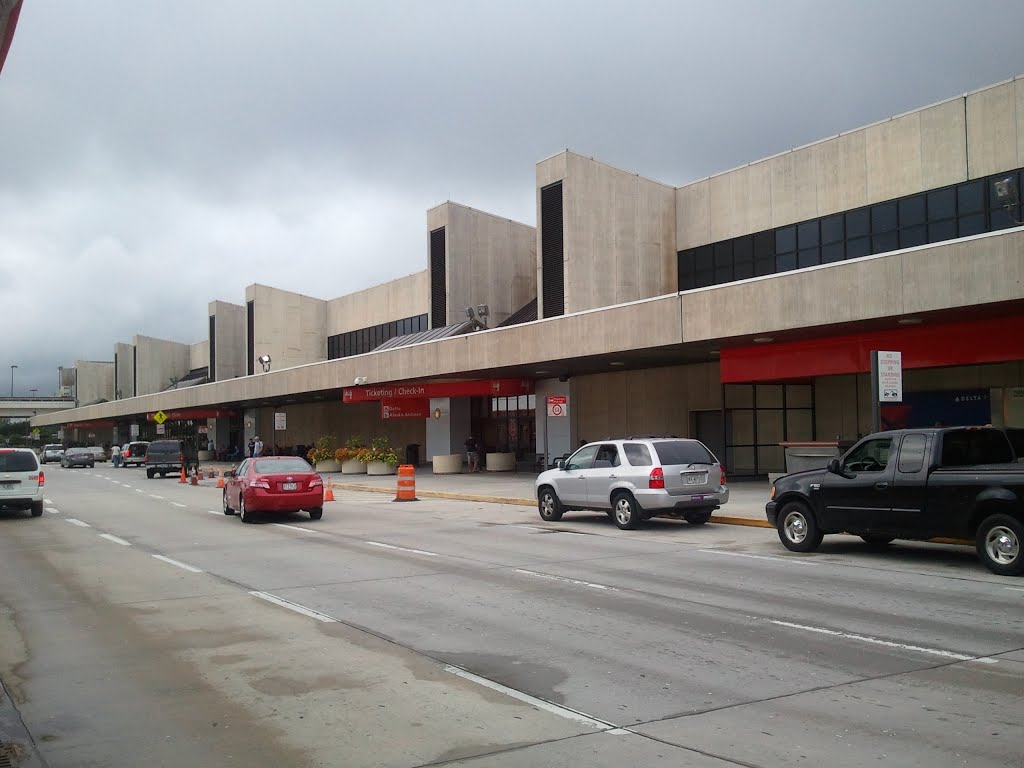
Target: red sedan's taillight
[316,482]
[657,478]
[42,479]
[260,484]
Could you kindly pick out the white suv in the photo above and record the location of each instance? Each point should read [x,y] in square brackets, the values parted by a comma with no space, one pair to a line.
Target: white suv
[21,480]
[51,452]
[636,479]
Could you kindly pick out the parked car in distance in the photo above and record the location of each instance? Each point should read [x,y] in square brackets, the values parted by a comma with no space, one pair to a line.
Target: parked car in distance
[78,457]
[51,452]
[273,484]
[636,479]
[98,452]
[21,480]
[165,457]
[961,483]
[134,453]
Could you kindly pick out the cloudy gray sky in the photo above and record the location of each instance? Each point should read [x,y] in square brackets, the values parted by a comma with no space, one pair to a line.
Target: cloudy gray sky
[157,155]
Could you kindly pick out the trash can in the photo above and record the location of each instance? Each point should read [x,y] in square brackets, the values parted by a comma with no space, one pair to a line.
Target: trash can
[412,454]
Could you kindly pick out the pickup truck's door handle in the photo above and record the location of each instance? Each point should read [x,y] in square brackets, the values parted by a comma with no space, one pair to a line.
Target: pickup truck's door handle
[881,486]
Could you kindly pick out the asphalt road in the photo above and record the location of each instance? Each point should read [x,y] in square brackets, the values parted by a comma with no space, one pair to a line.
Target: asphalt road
[139,626]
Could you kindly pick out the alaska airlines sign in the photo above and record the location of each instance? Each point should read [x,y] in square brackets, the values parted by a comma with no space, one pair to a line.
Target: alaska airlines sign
[484,388]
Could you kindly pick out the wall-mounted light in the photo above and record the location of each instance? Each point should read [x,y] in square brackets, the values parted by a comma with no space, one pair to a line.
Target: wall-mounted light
[478,316]
[264,360]
[359,381]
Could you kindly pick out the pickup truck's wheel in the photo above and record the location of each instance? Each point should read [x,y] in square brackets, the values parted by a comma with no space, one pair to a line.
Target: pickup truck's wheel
[626,511]
[999,545]
[698,518]
[798,530]
[878,540]
[225,505]
[549,505]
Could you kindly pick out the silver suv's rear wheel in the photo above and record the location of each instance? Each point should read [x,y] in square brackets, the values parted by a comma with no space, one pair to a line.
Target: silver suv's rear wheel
[625,511]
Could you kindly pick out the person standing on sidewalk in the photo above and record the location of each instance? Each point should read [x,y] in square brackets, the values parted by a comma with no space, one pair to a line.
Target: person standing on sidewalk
[473,454]
[257,448]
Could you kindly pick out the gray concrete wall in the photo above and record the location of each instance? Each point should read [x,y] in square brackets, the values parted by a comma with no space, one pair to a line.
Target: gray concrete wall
[230,342]
[396,299]
[159,360]
[618,232]
[124,356]
[199,355]
[978,134]
[94,380]
[490,260]
[290,327]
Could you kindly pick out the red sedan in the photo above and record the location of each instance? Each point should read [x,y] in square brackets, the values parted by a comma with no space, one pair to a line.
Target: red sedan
[273,484]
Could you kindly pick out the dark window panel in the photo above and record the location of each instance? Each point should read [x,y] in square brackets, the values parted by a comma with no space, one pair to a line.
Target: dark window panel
[808,257]
[832,229]
[885,242]
[942,204]
[883,218]
[743,250]
[785,239]
[940,231]
[764,245]
[972,225]
[912,211]
[723,262]
[764,265]
[785,262]
[705,278]
[704,258]
[832,252]
[858,223]
[687,280]
[723,275]
[743,269]
[970,197]
[857,247]
[912,236]
[1003,219]
[807,234]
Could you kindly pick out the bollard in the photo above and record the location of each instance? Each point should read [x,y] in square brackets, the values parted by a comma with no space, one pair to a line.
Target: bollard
[406,483]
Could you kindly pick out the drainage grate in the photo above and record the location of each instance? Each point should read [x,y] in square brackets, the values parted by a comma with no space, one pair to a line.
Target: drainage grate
[6,755]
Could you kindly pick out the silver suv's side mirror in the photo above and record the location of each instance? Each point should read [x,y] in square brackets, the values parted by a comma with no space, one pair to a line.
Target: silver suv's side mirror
[560,463]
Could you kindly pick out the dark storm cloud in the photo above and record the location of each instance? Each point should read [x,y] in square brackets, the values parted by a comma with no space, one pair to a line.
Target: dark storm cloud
[157,156]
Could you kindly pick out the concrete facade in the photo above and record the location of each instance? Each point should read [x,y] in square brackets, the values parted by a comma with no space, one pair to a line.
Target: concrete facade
[229,344]
[199,355]
[158,361]
[124,378]
[489,260]
[394,300]
[618,232]
[94,381]
[290,327]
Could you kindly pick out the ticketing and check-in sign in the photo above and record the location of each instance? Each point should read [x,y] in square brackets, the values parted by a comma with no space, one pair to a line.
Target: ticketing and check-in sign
[558,405]
[890,377]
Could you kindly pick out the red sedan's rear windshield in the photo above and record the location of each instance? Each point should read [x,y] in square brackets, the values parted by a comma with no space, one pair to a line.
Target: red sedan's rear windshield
[17,461]
[278,466]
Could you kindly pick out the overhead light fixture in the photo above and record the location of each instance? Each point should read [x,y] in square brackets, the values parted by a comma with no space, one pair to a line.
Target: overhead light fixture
[616,362]
[909,321]
[542,373]
[763,339]
[716,352]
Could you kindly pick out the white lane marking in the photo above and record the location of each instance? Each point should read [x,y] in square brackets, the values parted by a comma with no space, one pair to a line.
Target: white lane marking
[183,566]
[402,549]
[573,533]
[154,496]
[294,607]
[756,557]
[987,660]
[618,731]
[213,512]
[139,490]
[298,528]
[116,540]
[567,580]
[79,523]
[533,701]
[875,641]
[1014,589]
[47,501]
[53,511]
[125,485]
[176,504]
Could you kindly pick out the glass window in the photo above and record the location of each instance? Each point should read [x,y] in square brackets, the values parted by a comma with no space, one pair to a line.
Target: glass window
[993,195]
[883,218]
[885,242]
[972,225]
[743,258]
[674,452]
[1002,218]
[743,270]
[912,211]
[637,454]
[942,204]
[807,234]
[808,257]
[785,239]
[832,253]
[832,229]
[764,265]
[939,231]
[704,258]
[970,197]
[705,278]
[583,458]
[972,447]
[869,456]
[533,402]
[913,236]
[858,223]
[785,262]
[912,453]
[857,247]
[607,456]
[723,262]
[18,461]
[687,276]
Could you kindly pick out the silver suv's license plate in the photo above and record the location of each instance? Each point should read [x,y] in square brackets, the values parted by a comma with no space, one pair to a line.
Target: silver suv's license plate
[693,478]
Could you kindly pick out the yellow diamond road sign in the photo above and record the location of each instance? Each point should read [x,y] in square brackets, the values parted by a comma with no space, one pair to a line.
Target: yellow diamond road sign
[159,417]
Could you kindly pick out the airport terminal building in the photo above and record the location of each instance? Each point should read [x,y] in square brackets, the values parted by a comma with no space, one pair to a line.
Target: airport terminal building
[740,309]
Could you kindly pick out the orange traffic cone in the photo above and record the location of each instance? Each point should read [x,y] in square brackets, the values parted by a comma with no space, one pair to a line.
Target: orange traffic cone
[199,472]
[220,479]
[182,480]
[329,492]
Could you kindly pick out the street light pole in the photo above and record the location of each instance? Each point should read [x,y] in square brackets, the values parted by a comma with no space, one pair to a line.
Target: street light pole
[12,379]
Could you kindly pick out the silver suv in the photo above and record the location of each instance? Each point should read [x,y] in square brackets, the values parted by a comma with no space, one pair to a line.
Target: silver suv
[634,480]
[51,452]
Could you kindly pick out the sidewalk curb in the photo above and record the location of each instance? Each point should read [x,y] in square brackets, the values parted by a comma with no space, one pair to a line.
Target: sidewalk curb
[520,502]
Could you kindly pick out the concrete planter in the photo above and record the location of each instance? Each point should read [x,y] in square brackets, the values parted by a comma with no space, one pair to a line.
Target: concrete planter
[206,456]
[353,467]
[328,465]
[380,468]
[501,462]
[447,463]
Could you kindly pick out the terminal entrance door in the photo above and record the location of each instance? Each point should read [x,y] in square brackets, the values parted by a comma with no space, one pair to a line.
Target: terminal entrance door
[506,425]
[758,417]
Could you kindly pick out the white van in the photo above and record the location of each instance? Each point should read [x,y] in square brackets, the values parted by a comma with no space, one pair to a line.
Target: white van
[21,480]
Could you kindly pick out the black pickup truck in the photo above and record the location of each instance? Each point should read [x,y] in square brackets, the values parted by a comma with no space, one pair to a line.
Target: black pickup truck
[962,483]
